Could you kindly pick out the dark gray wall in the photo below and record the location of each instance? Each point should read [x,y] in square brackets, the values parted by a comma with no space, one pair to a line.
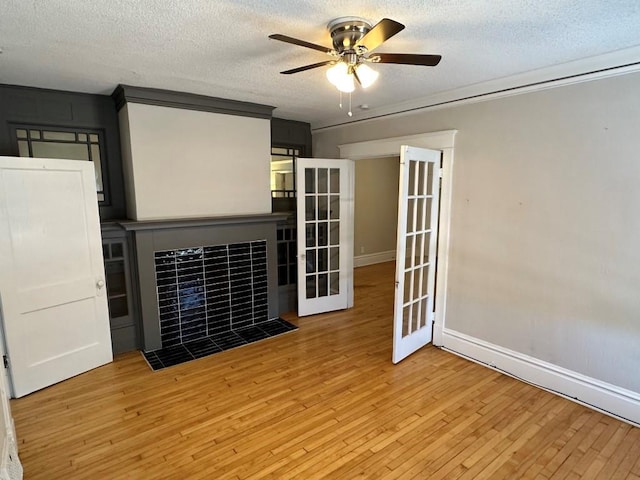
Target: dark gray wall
[289,133]
[72,110]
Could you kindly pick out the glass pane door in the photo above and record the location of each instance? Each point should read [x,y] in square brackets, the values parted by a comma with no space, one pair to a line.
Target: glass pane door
[323,233]
[416,250]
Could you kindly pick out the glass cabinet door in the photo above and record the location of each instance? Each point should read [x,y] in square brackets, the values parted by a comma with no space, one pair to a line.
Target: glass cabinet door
[115,267]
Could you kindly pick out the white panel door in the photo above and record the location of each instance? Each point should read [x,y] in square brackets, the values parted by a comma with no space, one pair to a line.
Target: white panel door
[416,250]
[52,281]
[325,234]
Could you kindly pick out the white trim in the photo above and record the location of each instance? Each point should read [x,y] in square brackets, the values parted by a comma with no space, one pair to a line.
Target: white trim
[609,399]
[444,231]
[611,64]
[444,141]
[10,466]
[385,147]
[373,258]
[351,200]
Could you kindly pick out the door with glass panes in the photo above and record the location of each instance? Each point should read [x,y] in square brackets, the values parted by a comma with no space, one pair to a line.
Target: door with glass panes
[325,234]
[417,238]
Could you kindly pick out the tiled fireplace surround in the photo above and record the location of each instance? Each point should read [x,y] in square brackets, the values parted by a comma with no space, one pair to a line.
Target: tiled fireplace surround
[212,275]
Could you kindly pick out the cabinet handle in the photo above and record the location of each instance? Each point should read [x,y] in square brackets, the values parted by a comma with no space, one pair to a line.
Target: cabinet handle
[100,283]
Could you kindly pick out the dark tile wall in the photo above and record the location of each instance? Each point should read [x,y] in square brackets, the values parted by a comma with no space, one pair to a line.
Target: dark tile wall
[204,291]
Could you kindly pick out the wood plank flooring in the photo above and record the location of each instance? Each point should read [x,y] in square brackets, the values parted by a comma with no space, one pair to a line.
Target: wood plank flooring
[321,402]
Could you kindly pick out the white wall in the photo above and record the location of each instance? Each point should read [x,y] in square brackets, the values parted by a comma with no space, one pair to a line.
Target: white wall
[185,163]
[544,257]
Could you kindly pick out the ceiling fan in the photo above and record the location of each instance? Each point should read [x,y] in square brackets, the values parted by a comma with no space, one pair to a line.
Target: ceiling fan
[354,39]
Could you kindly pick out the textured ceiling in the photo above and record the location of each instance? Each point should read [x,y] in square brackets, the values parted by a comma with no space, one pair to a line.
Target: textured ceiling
[221,47]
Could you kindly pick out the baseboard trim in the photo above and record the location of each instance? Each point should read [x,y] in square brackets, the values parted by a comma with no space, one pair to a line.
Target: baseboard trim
[601,396]
[373,258]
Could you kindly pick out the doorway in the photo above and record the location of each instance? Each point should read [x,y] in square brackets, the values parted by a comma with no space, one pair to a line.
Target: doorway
[444,142]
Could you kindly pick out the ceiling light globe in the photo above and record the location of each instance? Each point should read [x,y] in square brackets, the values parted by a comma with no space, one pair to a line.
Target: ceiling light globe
[366,74]
[339,76]
[335,73]
[346,84]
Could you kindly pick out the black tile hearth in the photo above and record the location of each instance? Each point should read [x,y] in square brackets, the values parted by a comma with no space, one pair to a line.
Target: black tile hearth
[203,347]
[228,339]
[276,327]
[174,355]
[252,334]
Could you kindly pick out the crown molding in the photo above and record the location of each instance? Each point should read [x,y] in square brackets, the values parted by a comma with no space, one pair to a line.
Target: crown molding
[612,64]
[124,94]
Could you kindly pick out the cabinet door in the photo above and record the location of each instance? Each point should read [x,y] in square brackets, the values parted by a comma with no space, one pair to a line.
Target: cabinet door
[117,274]
[120,291]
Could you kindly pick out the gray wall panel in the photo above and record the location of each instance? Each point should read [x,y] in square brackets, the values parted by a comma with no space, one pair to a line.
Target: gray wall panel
[72,110]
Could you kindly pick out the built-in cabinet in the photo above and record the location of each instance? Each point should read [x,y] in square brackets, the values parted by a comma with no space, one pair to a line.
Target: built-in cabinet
[120,288]
[287,265]
[289,140]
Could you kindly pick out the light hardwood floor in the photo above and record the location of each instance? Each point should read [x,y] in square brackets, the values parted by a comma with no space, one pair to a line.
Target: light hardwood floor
[322,402]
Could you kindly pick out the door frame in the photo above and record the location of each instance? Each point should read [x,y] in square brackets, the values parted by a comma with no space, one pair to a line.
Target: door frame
[443,141]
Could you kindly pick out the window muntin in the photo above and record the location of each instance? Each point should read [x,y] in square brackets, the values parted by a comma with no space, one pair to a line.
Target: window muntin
[57,142]
[283,172]
[287,254]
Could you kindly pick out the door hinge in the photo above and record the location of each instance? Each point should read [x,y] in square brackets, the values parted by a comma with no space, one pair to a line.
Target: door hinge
[5,361]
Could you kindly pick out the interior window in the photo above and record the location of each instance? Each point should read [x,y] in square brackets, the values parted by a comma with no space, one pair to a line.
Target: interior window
[283,172]
[71,144]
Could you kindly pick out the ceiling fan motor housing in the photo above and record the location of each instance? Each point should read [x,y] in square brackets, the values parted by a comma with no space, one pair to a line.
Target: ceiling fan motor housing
[346,31]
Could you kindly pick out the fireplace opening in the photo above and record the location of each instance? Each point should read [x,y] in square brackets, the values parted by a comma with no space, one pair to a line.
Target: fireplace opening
[208,290]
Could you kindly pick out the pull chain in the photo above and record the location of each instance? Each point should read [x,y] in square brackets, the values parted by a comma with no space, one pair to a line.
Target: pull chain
[340,91]
[350,113]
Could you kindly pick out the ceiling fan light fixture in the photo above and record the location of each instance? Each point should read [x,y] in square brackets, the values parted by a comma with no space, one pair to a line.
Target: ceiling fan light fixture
[346,84]
[366,75]
[354,39]
[336,71]
[340,76]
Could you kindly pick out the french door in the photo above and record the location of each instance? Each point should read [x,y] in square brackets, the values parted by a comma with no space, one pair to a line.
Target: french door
[416,250]
[325,234]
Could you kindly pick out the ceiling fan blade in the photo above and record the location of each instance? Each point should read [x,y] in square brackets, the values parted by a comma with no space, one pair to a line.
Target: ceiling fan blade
[380,33]
[409,59]
[302,43]
[307,67]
